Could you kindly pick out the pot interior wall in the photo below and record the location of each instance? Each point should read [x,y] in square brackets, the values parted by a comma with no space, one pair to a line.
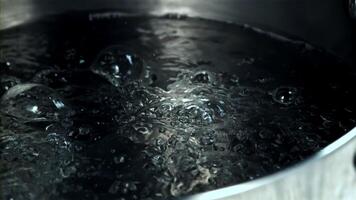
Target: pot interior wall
[313,20]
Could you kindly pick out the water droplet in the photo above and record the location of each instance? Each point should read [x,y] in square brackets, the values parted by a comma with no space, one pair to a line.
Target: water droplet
[34,102]
[285,95]
[118,66]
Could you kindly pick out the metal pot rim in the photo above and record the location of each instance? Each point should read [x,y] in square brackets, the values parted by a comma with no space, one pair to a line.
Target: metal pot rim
[329,151]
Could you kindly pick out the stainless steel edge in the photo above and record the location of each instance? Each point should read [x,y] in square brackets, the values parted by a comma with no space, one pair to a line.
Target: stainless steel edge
[312,20]
[328,175]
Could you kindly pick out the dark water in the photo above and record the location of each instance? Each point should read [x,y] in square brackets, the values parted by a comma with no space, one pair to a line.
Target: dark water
[110,107]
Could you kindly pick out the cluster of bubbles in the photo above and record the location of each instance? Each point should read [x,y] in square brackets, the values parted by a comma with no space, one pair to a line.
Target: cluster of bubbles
[173,124]
[179,133]
[106,128]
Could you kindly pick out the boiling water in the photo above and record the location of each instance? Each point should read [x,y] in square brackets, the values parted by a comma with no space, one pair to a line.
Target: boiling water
[101,106]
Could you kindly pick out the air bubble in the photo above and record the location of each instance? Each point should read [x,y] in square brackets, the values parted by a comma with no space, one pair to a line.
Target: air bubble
[285,95]
[207,140]
[209,125]
[192,113]
[118,66]
[144,130]
[201,77]
[119,160]
[34,102]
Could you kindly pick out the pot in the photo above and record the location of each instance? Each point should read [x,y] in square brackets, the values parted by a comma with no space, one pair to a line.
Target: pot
[331,172]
